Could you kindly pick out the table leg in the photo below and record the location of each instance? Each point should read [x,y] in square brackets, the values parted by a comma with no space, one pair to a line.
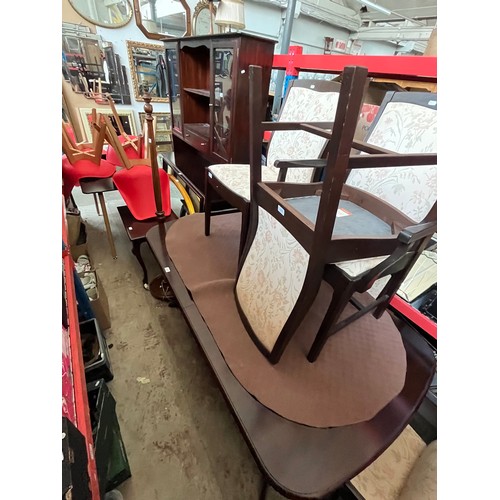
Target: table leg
[263,491]
[108,226]
[136,250]
[96,203]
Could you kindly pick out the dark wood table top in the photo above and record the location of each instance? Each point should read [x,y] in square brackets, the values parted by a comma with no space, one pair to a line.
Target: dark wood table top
[297,460]
[137,229]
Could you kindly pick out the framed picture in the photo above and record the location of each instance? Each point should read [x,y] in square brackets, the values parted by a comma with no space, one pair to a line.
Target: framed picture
[162,126]
[126,117]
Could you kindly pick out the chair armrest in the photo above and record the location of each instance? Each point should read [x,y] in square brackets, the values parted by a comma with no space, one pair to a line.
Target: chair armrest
[323,129]
[417,232]
[319,163]
[284,165]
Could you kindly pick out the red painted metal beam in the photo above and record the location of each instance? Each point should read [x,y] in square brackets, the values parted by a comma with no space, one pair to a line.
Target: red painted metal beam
[414,316]
[423,68]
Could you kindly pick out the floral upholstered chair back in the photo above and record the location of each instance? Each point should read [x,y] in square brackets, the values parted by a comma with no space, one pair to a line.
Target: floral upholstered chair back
[302,104]
[406,123]
[271,279]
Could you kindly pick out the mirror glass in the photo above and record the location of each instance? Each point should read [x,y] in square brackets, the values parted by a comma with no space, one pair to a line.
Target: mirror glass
[203,19]
[106,13]
[159,19]
[91,66]
[148,68]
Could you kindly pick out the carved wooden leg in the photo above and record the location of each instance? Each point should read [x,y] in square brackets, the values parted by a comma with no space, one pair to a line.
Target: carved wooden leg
[136,250]
[208,204]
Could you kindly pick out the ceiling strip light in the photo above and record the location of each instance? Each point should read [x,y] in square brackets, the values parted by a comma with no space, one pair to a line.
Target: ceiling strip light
[375,6]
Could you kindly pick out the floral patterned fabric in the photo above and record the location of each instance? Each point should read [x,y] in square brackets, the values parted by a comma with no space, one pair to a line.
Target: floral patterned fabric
[236,176]
[385,478]
[403,128]
[302,104]
[422,482]
[271,279]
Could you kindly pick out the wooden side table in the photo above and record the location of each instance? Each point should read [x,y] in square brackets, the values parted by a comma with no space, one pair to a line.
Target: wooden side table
[136,232]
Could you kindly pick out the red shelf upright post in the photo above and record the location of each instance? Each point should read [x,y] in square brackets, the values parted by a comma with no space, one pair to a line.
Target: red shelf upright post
[82,423]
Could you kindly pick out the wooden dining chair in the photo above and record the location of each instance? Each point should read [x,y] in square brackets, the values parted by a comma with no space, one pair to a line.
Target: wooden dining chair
[133,145]
[300,234]
[83,160]
[306,101]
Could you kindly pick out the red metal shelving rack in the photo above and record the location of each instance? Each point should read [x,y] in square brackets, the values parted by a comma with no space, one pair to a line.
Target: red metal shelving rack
[82,415]
[422,68]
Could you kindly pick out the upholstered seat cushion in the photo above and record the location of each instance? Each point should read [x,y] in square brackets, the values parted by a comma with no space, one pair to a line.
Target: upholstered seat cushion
[422,481]
[351,220]
[236,177]
[72,173]
[301,105]
[136,187]
[386,477]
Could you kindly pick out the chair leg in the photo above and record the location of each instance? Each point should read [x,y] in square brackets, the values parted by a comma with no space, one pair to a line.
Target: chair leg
[208,205]
[96,203]
[390,288]
[108,226]
[335,309]
[245,214]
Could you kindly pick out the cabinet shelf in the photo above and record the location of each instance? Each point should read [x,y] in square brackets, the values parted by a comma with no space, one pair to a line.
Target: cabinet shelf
[209,77]
[202,92]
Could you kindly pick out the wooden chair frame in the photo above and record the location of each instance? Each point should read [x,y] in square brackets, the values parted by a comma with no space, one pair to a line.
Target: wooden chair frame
[215,187]
[323,248]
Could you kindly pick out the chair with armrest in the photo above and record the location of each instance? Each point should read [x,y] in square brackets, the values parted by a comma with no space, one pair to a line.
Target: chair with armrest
[303,234]
[306,101]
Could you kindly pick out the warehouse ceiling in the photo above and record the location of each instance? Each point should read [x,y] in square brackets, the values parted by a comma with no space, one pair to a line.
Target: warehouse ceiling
[423,10]
[399,21]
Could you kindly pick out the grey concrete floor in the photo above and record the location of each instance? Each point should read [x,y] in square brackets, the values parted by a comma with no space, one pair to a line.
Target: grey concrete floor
[179,435]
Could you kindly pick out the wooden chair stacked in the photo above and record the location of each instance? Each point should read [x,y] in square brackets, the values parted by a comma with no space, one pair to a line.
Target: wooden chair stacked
[335,231]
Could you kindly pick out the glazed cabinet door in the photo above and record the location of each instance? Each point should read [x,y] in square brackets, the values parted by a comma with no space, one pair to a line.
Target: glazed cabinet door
[224,87]
[174,87]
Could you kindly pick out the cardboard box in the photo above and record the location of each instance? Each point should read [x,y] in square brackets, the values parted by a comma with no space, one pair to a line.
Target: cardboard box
[79,246]
[74,225]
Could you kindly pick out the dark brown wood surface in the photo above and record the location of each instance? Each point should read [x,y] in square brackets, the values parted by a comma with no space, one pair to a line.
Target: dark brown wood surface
[297,460]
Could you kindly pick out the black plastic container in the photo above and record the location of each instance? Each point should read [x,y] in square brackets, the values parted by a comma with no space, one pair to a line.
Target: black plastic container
[95,352]
[110,455]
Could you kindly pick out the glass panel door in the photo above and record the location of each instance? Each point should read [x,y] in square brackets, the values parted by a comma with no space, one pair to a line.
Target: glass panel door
[174,88]
[223,82]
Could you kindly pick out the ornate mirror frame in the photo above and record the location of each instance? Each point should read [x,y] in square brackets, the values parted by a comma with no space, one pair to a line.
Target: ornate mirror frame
[160,36]
[199,9]
[113,7]
[132,60]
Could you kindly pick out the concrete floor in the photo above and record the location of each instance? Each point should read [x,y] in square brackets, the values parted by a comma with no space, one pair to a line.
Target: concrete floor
[180,437]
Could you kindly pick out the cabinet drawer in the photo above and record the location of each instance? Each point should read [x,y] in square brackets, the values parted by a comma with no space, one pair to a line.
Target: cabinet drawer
[197,135]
